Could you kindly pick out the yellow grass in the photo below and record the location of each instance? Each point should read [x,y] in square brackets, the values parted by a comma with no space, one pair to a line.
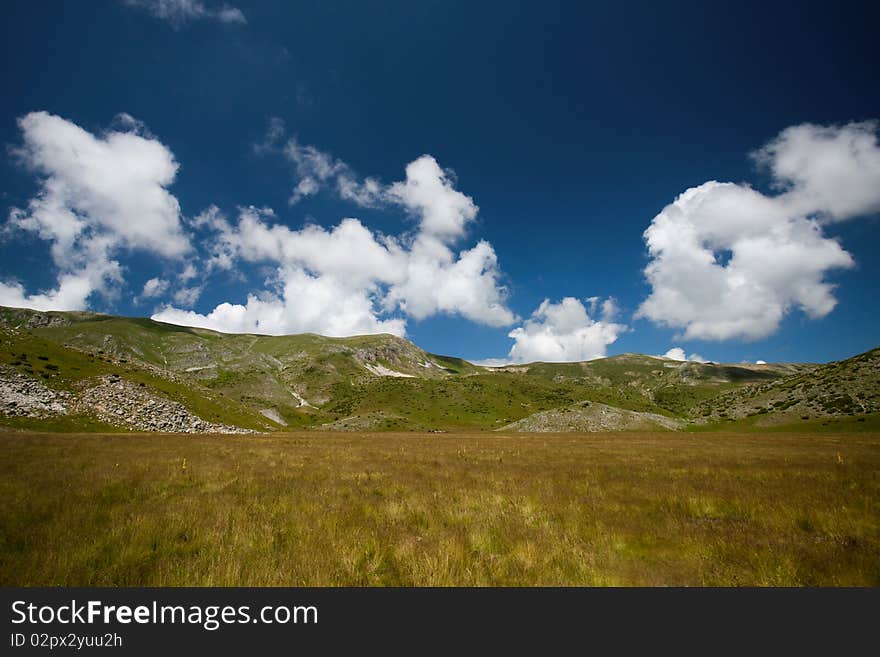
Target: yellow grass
[450,509]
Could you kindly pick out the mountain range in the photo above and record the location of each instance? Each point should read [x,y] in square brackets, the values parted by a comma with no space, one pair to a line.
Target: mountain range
[82,371]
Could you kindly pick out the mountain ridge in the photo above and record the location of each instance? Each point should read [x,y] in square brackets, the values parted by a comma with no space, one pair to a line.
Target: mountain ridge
[251,382]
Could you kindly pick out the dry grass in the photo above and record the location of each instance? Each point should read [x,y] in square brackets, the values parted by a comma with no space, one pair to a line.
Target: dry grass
[452,509]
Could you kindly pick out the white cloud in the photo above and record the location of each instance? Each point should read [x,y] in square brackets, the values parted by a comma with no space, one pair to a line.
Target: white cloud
[677,353]
[305,187]
[155,287]
[563,332]
[428,192]
[830,170]
[348,249]
[71,294]
[189,272]
[180,12]
[98,195]
[729,262]
[311,162]
[417,274]
[760,362]
[327,304]
[366,193]
[116,183]
[436,281]
[187,296]
[221,251]
[317,169]
[274,134]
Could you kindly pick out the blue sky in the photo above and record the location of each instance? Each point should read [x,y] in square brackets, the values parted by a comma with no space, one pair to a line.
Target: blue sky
[494,157]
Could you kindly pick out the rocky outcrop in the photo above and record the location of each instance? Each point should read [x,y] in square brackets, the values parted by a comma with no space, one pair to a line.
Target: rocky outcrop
[123,403]
[25,396]
[406,360]
[390,352]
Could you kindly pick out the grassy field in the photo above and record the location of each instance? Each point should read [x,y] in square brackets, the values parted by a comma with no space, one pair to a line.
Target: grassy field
[440,509]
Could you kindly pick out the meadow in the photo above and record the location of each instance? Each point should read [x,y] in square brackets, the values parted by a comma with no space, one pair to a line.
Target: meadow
[297,509]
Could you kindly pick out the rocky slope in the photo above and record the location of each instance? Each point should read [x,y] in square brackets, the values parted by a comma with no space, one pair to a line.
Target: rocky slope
[25,396]
[126,404]
[110,399]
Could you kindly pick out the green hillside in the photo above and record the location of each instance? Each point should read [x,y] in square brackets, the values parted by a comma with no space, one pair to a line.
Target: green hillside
[839,390]
[86,371]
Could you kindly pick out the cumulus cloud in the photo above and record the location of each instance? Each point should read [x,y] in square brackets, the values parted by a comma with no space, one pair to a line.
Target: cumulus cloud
[435,280]
[564,332]
[116,182]
[376,277]
[348,249]
[71,294]
[677,353]
[104,195]
[326,304]
[828,170]
[728,261]
[98,195]
[180,12]
[429,193]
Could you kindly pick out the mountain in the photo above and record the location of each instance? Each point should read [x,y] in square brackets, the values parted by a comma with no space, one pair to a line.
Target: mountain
[846,388]
[87,371]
